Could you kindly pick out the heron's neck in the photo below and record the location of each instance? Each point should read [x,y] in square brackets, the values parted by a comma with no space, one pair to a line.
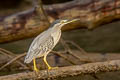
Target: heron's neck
[57,28]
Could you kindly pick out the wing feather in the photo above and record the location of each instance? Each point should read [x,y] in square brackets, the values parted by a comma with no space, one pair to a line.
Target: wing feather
[42,44]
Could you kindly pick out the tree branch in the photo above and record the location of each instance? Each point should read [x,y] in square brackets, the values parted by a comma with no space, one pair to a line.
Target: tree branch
[11,56]
[33,21]
[13,60]
[91,57]
[90,68]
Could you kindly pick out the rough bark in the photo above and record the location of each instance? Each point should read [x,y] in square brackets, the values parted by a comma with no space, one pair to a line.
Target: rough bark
[90,68]
[32,22]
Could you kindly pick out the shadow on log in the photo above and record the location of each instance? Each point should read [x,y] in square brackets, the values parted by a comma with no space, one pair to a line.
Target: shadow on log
[90,68]
[32,22]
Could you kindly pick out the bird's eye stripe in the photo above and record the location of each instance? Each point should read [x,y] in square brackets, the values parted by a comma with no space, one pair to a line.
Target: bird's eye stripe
[63,21]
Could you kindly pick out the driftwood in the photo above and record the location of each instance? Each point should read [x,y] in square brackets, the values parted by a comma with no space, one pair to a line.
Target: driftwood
[78,70]
[10,55]
[25,67]
[32,22]
[13,60]
[93,57]
[90,68]
[83,58]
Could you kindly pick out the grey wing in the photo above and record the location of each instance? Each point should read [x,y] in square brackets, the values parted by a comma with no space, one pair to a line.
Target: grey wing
[39,47]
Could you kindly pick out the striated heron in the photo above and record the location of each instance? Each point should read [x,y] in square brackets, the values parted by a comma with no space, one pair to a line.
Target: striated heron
[45,42]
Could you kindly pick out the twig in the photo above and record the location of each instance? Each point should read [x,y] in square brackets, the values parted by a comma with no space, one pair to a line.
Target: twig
[6,51]
[77,46]
[10,53]
[11,61]
[94,57]
[39,7]
[67,49]
[82,50]
[64,57]
[11,56]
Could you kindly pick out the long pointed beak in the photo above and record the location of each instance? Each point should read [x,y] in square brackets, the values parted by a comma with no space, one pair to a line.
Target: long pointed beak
[70,21]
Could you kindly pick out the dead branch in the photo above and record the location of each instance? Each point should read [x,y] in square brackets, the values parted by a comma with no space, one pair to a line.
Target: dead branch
[77,46]
[67,49]
[20,56]
[92,57]
[62,56]
[39,6]
[11,56]
[81,50]
[90,68]
[11,61]
[6,51]
[33,21]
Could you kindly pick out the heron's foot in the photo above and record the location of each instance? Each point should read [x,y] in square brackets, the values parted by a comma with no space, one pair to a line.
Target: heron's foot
[36,70]
[49,68]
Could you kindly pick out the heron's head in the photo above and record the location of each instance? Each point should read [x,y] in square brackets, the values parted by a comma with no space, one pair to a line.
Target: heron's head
[60,23]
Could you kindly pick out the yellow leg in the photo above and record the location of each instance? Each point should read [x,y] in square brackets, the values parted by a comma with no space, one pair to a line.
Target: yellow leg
[35,67]
[49,67]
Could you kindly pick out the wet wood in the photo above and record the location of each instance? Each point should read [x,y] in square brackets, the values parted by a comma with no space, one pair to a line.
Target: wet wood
[90,68]
[32,22]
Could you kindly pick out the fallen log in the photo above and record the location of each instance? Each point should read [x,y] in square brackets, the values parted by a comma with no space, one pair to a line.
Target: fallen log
[85,69]
[32,22]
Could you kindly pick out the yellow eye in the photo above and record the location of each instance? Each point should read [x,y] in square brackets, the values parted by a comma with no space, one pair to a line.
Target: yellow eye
[63,21]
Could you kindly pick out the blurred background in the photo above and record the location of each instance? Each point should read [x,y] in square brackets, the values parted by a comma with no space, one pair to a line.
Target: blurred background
[103,39]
